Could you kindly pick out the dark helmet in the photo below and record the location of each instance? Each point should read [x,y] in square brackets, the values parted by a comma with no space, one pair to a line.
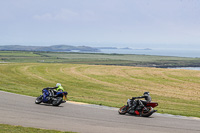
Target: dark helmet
[146,93]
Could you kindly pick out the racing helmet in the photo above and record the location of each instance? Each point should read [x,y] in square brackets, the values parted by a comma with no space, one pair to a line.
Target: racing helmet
[58,84]
[146,93]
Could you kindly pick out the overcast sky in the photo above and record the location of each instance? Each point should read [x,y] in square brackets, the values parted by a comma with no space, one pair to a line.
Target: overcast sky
[131,23]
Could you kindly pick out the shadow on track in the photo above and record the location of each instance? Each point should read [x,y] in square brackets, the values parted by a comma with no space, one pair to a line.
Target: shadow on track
[137,116]
[46,104]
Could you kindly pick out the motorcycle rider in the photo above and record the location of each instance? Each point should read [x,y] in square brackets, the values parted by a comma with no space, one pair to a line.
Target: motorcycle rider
[134,103]
[47,94]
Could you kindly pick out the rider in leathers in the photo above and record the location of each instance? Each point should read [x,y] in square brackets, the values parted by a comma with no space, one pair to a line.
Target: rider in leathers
[55,89]
[133,103]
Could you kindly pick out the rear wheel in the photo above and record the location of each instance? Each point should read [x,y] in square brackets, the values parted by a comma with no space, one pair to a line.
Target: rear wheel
[146,112]
[123,110]
[39,99]
[57,101]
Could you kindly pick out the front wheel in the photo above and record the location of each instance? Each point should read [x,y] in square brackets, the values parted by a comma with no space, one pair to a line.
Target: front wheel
[123,110]
[39,99]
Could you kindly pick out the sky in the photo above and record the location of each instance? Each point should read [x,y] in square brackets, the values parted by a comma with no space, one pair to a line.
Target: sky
[119,23]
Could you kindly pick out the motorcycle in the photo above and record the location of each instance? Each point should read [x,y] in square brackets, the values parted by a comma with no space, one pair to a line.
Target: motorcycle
[144,109]
[52,97]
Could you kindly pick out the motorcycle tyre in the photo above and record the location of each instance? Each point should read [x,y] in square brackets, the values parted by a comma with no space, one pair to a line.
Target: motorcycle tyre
[123,110]
[57,102]
[39,99]
[150,112]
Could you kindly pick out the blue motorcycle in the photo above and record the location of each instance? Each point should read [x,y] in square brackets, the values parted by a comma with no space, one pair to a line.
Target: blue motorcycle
[52,97]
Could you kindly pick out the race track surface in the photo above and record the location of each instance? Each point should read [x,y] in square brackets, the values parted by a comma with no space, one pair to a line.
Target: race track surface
[83,118]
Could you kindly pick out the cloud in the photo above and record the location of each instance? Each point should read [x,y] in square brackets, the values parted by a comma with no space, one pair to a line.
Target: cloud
[66,15]
[63,14]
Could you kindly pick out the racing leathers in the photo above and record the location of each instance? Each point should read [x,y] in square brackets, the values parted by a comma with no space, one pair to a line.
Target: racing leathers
[51,91]
[134,103]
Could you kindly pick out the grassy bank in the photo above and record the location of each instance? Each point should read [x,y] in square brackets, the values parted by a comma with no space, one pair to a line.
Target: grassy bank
[4,128]
[176,91]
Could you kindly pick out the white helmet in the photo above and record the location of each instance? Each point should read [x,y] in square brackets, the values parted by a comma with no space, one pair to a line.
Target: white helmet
[58,84]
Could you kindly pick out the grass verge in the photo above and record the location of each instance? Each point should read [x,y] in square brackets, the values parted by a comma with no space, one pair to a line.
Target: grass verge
[4,128]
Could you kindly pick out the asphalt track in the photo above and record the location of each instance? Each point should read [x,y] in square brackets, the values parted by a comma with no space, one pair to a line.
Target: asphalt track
[84,118]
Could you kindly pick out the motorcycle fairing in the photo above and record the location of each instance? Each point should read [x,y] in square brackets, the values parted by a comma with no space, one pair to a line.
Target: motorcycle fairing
[45,94]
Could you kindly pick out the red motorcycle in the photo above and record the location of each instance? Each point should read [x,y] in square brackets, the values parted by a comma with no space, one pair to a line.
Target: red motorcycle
[144,109]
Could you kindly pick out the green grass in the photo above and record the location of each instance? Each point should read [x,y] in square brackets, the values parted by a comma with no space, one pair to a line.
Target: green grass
[97,59]
[4,128]
[176,91]
[17,54]
[112,56]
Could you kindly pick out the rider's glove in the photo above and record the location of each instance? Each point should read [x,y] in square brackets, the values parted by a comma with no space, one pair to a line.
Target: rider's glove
[133,98]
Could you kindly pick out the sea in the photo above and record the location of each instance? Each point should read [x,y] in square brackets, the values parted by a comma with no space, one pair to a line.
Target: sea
[187,68]
[194,53]
[191,53]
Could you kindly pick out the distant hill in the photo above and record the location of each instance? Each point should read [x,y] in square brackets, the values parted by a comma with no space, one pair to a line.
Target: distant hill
[54,48]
